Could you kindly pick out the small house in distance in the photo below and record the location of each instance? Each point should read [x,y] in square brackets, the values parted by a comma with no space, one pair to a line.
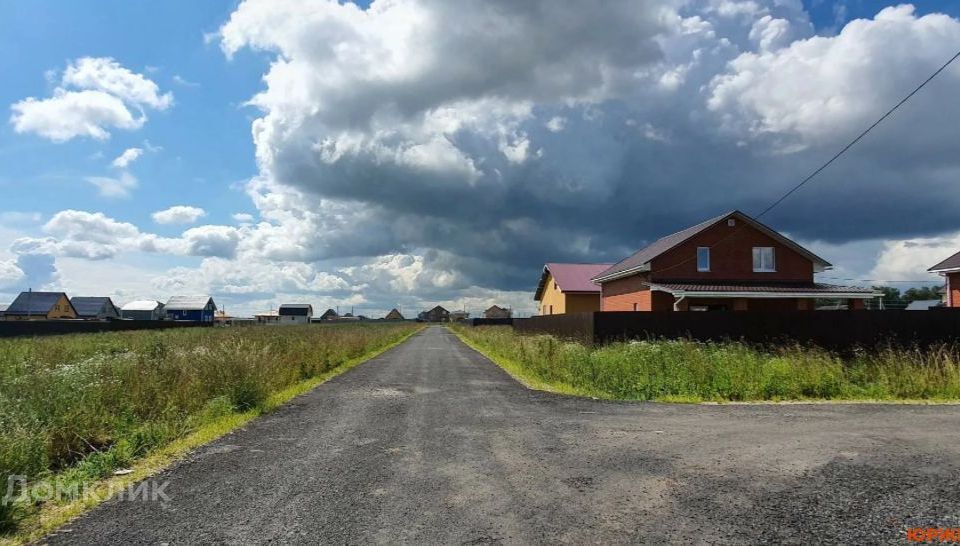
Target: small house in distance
[267,317]
[497,312]
[949,269]
[437,314]
[457,316]
[142,310]
[95,307]
[329,314]
[40,306]
[393,315]
[192,308]
[567,288]
[295,313]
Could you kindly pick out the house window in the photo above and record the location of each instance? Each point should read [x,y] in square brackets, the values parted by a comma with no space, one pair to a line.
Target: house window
[764,259]
[551,309]
[703,258]
[634,306]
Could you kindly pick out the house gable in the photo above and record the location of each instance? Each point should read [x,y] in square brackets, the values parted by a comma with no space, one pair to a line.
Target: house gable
[643,260]
[731,256]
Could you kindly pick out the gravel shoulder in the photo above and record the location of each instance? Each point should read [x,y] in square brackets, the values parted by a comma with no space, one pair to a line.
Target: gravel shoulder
[432,443]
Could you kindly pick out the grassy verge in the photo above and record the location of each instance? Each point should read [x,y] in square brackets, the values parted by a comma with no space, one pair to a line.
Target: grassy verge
[75,409]
[686,371]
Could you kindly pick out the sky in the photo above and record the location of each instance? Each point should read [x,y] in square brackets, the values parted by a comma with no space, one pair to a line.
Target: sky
[405,153]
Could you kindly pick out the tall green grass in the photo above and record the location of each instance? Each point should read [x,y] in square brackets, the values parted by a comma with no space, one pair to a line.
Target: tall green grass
[691,371]
[85,405]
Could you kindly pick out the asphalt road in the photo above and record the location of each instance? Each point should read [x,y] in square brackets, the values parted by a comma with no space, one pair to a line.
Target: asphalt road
[431,443]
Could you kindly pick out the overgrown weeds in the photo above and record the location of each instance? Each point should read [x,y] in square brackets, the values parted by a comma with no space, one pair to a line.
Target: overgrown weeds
[671,370]
[83,406]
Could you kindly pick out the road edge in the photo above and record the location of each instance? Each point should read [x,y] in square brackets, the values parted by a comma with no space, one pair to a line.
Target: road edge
[50,518]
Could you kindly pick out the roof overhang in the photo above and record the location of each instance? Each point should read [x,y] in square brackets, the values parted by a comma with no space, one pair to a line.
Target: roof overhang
[759,294]
[643,268]
[945,270]
[542,284]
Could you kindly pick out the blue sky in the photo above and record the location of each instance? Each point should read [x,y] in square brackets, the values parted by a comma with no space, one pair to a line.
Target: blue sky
[205,137]
[383,160]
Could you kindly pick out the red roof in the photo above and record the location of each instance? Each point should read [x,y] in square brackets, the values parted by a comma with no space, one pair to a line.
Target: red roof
[571,277]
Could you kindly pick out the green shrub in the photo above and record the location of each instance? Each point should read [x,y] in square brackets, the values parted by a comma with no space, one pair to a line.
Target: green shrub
[687,370]
[86,405]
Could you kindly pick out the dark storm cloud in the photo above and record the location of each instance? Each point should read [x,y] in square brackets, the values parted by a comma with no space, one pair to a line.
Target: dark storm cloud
[445,145]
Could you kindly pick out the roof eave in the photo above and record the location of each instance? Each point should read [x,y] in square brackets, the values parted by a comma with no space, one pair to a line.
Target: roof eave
[621,274]
[766,295]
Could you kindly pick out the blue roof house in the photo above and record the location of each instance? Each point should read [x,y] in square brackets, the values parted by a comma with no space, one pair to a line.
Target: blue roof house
[194,308]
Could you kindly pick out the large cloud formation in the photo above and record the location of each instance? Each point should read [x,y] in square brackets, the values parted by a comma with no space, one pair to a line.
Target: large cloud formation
[490,138]
[418,151]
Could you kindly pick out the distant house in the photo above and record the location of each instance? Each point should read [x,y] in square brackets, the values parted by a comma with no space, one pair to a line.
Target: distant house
[267,317]
[731,262]
[567,288]
[142,310]
[497,312]
[193,308]
[329,314]
[456,316]
[949,269]
[40,306]
[437,314]
[295,313]
[393,315]
[95,307]
[923,305]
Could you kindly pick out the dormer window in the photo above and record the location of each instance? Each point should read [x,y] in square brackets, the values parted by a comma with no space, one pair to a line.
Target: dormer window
[703,258]
[764,259]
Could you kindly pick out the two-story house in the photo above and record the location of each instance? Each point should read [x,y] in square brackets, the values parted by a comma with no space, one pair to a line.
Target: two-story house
[730,262]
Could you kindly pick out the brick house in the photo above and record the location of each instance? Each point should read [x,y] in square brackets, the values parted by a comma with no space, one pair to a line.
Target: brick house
[567,288]
[497,312]
[437,314]
[730,262]
[949,269]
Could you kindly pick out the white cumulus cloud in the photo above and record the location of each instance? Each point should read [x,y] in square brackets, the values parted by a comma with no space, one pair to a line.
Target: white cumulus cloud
[178,214]
[95,94]
[128,156]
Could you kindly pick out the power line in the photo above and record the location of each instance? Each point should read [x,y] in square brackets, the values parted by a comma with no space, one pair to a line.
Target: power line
[836,156]
[860,136]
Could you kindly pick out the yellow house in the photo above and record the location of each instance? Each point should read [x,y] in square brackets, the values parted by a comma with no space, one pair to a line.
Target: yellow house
[567,288]
[40,306]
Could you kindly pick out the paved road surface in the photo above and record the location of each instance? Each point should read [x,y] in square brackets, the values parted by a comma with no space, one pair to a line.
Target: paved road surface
[430,443]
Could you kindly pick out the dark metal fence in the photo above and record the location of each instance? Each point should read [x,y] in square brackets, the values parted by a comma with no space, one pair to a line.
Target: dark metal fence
[838,330]
[21,328]
[576,326]
[490,322]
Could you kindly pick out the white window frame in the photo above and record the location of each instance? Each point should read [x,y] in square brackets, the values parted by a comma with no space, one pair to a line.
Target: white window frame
[701,268]
[758,258]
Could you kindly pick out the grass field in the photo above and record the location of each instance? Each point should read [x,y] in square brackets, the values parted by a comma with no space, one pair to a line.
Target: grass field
[687,371]
[76,408]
